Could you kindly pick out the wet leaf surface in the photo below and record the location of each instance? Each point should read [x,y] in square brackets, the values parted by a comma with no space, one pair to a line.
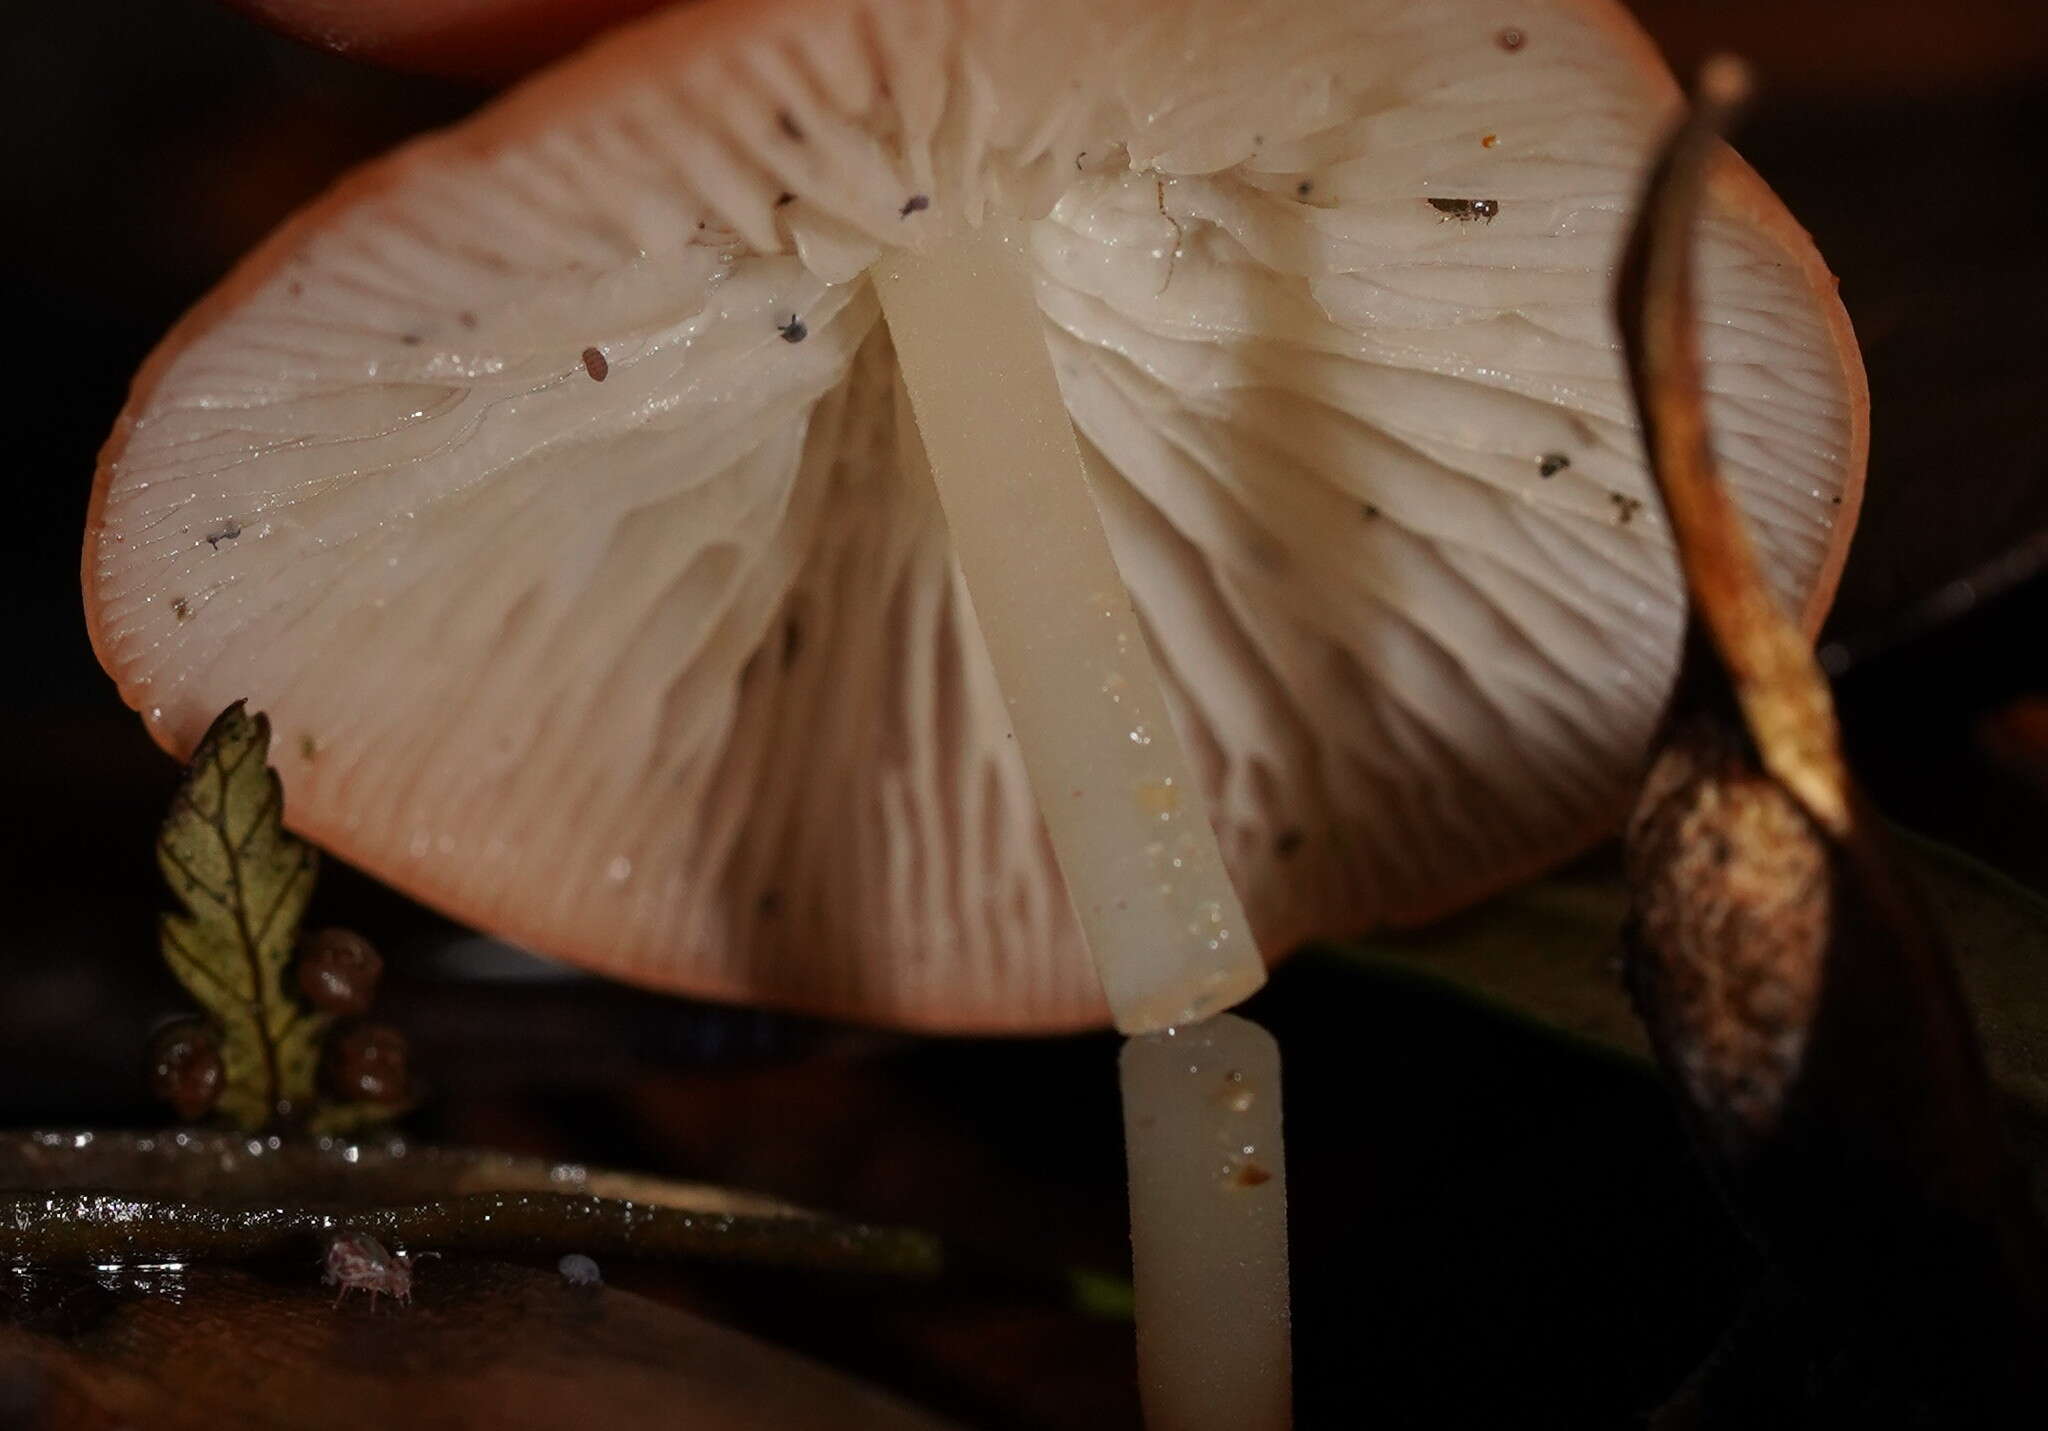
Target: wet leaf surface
[93,1198]
[484,1344]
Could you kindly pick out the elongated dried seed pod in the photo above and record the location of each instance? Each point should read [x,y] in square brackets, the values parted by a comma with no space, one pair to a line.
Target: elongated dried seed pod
[1795,988]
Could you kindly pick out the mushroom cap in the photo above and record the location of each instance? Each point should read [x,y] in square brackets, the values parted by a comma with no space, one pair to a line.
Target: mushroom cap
[541,481]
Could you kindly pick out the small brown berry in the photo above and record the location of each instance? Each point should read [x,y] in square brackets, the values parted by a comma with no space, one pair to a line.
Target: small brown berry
[184,1067]
[338,971]
[366,1063]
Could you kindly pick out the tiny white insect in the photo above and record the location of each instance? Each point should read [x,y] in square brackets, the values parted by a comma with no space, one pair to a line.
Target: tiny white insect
[579,1271]
[358,1261]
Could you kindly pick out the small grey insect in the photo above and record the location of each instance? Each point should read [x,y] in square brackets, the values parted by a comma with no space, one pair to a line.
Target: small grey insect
[794,330]
[1466,209]
[579,1271]
[915,204]
[1552,463]
[227,533]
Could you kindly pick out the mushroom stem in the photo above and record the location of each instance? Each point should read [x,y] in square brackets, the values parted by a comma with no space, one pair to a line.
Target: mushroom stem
[1208,1226]
[1129,826]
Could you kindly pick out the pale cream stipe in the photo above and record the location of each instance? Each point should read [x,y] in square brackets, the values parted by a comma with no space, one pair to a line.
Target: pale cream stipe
[1128,827]
[1128,823]
[1209,1227]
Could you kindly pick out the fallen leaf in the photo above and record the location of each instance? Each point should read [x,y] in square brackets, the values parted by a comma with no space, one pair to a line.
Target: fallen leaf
[482,1345]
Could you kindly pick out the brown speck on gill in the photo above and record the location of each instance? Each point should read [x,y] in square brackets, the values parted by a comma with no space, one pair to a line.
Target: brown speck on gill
[1466,210]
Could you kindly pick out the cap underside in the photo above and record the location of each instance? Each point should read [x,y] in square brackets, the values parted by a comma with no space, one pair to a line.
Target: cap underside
[542,483]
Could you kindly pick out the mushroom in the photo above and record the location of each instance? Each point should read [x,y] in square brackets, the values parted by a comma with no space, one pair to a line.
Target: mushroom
[599,610]
[631,505]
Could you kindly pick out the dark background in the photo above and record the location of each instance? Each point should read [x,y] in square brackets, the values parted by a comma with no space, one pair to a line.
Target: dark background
[1491,1227]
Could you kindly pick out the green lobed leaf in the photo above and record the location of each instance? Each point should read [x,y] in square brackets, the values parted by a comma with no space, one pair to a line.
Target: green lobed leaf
[1550,951]
[244,883]
[1999,930]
